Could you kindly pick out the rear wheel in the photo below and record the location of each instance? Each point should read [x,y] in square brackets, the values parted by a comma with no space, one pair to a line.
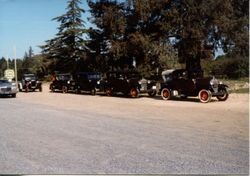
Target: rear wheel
[134,93]
[13,95]
[40,89]
[166,94]
[205,96]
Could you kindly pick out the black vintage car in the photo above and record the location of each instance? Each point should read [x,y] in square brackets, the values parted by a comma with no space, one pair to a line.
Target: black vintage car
[179,83]
[85,81]
[61,82]
[29,82]
[122,82]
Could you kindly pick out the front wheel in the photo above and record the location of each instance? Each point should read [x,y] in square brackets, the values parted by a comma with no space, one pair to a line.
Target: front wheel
[205,96]
[109,92]
[40,89]
[93,91]
[134,93]
[64,89]
[223,97]
[166,94]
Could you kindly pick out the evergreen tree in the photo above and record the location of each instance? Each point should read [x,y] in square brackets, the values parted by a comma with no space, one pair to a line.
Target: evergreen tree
[67,49]
[31,53]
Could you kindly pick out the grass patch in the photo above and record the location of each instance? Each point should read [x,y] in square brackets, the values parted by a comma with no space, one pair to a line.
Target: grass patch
[242,90]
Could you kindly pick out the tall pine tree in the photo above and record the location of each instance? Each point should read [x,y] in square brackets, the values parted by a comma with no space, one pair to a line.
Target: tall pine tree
[67,49]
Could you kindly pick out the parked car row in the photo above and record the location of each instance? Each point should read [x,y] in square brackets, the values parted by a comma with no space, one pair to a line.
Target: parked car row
[174,83]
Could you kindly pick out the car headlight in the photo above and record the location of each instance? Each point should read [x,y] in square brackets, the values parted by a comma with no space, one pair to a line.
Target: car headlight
[149,82]
[68,82]
[98,82]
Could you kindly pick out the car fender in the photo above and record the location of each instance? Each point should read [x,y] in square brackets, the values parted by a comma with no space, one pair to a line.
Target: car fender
[223,86]
[20,85]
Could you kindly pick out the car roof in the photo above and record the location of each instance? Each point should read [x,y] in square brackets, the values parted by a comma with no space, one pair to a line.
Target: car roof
[62,74]
[167,72]
[30,74]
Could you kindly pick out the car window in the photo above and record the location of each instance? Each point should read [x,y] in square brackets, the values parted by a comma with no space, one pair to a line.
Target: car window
[3,81]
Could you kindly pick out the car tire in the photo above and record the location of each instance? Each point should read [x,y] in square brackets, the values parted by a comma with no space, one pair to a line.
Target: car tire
[77,91]
[109,92]
[64,89]
[93,91]
[13,95]
[134,92]
[165,94]
[223,97]
[40,89]
[205,96]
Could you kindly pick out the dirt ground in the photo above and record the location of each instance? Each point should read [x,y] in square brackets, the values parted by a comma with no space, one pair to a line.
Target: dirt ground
[87,134]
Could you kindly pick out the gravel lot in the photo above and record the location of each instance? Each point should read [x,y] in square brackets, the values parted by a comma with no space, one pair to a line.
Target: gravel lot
[55,133]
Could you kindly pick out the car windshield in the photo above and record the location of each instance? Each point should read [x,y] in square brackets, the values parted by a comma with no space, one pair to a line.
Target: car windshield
[3,81]
[30,77]
[63,77]
[94,76]
[167,77]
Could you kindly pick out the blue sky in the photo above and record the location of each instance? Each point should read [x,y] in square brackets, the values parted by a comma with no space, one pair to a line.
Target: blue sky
[25,23]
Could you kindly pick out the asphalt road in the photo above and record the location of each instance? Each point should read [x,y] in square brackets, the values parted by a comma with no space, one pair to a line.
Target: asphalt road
[54,133]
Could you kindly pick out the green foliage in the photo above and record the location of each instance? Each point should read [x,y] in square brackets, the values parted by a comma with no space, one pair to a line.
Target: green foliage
[67,49]
[228,67]
[153,32]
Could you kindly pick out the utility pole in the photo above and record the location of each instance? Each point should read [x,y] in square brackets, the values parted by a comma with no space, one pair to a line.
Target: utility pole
[7,59]
[14,48]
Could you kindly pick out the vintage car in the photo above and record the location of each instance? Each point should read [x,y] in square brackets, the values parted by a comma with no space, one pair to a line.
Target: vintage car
[122,82]
[179,83]
[7,88]
[148,86]
[29,82]
[61,82]
[85,81]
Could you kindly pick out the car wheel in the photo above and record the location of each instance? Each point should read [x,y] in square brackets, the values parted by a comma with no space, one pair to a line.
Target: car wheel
[205,96]
[223,97]
[152,93]
[13,95]
[77,91]
[166,94]
[134,93]
[109,92]
[93,91]
[41,89]
[64,89]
